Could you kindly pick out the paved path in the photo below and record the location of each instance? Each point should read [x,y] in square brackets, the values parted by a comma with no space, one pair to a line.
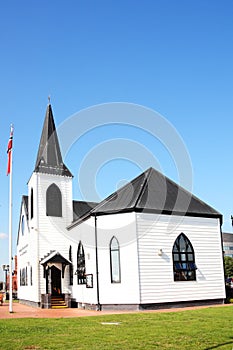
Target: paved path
[22,311]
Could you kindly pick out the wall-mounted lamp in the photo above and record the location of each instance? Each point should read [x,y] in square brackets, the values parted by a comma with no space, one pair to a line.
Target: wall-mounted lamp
[160,252]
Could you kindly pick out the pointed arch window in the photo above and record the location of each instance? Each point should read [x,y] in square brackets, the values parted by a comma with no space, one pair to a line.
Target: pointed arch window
[115,261]
[184,266]
[26,276]
[71,266]
[53,201]
[31,276]
[31,204]
[22,225]
[81,266]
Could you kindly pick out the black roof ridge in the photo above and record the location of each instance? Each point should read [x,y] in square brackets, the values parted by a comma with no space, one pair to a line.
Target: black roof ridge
[82,201]
[152,177]
[145,181]
[190,193]
[107,199]
[147,175]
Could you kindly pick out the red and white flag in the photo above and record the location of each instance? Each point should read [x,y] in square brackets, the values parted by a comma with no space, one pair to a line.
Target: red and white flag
[9,150]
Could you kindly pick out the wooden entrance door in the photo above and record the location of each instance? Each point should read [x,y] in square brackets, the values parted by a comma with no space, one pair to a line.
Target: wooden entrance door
[55,281]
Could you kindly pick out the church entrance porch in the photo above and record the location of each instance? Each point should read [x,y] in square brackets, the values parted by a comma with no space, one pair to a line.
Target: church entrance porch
[54,265]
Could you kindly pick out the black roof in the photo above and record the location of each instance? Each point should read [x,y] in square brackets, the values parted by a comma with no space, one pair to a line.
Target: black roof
[227,237]
[49,158]
[81,208]
[54,257]
[25,202]
[153,192]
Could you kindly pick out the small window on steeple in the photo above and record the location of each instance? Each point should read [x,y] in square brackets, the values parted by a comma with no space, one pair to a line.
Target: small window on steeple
[53,201]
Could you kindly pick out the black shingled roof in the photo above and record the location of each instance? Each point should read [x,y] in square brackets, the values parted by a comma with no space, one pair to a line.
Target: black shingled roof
[227,237]
[81,208]
[49,158]
[153,192]
[25,201]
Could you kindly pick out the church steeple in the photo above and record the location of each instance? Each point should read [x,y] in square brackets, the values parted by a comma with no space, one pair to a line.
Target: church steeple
[49,158]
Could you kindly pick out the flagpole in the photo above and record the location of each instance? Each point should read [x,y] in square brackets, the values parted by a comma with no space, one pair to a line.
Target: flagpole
[10,234]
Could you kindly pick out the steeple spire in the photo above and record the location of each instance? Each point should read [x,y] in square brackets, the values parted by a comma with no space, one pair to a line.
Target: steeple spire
[49,158]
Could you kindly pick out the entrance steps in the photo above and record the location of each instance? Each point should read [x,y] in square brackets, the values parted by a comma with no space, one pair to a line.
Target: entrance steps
[58,302]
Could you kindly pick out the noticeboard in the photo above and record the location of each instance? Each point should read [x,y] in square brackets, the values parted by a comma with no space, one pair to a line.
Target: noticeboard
[89,280]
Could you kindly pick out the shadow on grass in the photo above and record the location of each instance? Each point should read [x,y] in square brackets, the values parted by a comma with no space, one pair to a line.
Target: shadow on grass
[219,345]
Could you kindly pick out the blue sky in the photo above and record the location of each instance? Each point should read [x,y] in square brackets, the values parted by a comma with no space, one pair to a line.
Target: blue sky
[174,57]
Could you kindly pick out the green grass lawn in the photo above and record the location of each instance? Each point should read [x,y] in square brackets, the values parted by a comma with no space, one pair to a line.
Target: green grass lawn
[210,328]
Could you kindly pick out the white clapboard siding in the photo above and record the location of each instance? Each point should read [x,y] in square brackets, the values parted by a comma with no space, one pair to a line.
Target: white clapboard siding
[85,233]
[45,233]
[26,249]
[156,272]
[123,227]
[52,230]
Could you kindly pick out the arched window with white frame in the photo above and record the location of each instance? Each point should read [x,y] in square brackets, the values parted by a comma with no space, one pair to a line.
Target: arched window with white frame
[115,261]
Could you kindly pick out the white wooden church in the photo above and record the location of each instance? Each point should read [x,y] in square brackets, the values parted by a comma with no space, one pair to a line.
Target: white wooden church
[151,244]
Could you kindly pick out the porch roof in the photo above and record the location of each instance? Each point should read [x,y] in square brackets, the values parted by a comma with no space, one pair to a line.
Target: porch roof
[55,257]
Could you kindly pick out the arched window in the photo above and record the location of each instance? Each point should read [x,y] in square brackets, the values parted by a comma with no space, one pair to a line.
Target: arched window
[71,266]
[26,276]
[53,201]
[115,261]
[31,275]
[184,266]
[22,225]
[23,276]
[31,207]
[81,267]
